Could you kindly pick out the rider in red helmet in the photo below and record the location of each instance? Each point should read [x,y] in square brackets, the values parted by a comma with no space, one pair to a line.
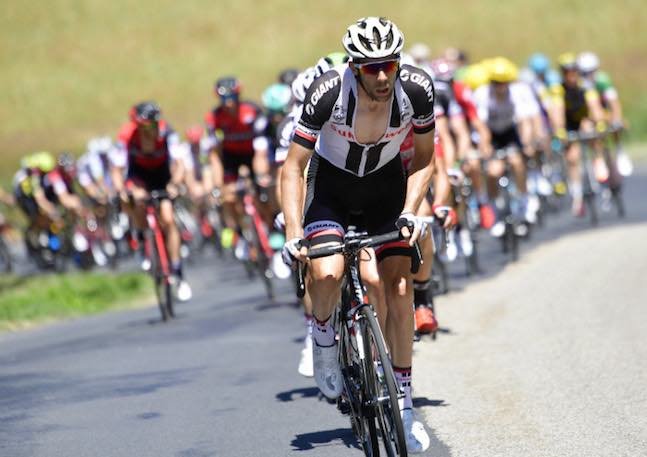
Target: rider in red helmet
[236,130]
[145,147]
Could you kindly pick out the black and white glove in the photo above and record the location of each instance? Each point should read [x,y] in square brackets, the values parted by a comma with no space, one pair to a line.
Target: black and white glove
[279,222]
[410,221]
[290,250]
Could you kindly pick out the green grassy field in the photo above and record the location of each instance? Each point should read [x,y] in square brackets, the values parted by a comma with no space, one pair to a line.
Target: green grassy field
[72,68]
[28,300]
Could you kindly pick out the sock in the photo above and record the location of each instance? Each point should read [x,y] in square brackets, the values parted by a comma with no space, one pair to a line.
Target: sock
[421,292]
[403,379]
[309,323]
[323,333]
[576,189]
[176,267]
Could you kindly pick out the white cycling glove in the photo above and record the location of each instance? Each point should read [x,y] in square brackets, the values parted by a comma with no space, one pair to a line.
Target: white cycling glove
[409,220]
[290,250]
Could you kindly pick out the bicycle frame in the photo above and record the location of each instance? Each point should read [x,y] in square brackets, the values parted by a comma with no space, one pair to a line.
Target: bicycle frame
[158,237]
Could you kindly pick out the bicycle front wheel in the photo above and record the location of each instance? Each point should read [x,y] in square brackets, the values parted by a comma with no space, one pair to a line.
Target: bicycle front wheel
[162,285]
[380,386]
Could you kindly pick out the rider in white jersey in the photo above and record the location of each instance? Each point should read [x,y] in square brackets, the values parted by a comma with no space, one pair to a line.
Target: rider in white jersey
[93,169]
[509,108]
[354,121]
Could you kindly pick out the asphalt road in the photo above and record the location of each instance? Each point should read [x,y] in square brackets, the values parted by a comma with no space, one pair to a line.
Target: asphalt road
[544,357]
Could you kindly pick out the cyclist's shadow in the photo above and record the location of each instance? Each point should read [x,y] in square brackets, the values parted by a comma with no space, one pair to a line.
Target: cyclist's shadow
[309,441]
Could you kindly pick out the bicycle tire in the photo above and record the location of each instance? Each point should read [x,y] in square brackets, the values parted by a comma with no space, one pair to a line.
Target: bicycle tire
[158,278]
[5,257]
[616,195]
[262,263]
[166,280]
[382,389]
[589,201]
[364,431]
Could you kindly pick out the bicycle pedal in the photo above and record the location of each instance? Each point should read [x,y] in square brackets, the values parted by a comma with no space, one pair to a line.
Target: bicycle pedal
[343,406]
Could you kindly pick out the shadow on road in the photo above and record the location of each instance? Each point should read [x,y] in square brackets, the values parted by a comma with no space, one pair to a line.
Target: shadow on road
[304,392]
[309,441]
[423,402]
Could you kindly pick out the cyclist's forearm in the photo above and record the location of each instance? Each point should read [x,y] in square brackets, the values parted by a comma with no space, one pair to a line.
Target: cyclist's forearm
[71,202]
[441,183]
[417,185]
[292,190]
[117,178]
[44,204]
[616,110]
[217,170]
[261,163]
[525,134]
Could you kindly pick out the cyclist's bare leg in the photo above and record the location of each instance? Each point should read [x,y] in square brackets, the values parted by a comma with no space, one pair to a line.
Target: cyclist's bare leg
[324,282]
[573,158]
[472,168]
[137,211]
[495,169]
[519,170]
[373,283]
[458,126]
[231,207]
[170,229]
[398,290]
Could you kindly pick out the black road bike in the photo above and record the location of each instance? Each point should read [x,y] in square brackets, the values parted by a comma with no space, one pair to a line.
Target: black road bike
[370,391]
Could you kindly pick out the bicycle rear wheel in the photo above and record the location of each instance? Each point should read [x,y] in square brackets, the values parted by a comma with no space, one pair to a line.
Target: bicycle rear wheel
[380,386]
[5,257]
[261,261]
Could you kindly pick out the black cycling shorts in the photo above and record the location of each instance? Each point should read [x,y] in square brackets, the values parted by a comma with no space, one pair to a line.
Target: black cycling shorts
[231,163]
[336,199]
[509,137]
[27,204]
[150,178]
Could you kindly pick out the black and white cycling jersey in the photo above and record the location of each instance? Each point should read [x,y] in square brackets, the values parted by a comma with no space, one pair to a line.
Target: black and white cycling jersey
[329,115]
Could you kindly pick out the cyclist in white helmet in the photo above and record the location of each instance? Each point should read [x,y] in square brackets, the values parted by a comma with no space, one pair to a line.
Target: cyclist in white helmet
[588,64]
[354,121]
[285,132]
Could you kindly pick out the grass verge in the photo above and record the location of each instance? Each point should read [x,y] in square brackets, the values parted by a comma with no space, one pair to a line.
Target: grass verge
[25,301]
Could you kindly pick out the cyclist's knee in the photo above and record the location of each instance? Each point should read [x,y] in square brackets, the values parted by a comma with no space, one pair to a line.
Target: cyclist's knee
[327,272]
[166,215]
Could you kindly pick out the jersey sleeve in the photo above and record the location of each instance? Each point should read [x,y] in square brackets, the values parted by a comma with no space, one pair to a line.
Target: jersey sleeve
[284,134]
[525,103]
[318,105]
[481,96]
[465,98]
[419,87]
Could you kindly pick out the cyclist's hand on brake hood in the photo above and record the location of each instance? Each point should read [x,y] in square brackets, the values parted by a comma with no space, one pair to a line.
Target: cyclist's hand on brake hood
[409,226]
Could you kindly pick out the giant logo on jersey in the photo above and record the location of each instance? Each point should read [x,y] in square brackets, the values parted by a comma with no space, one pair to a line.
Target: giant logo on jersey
[320,92]
[422,81]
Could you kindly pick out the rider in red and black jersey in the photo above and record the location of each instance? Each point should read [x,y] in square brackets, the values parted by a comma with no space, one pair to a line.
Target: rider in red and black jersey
[236,129]
[143,155]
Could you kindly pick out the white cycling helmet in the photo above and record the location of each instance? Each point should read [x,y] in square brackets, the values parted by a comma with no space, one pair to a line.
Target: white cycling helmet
[420,52]
[587,62]
[373,38]
[302,82]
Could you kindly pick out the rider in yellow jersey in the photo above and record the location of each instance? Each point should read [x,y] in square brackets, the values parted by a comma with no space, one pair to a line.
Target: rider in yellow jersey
[576,108]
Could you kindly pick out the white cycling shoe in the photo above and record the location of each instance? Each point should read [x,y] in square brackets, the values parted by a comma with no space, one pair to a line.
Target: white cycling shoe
[184,292]
[326,370]
[305,363]
[146,264]
[414,433]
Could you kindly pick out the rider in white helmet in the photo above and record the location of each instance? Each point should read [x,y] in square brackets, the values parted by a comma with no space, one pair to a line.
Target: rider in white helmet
[354,121]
